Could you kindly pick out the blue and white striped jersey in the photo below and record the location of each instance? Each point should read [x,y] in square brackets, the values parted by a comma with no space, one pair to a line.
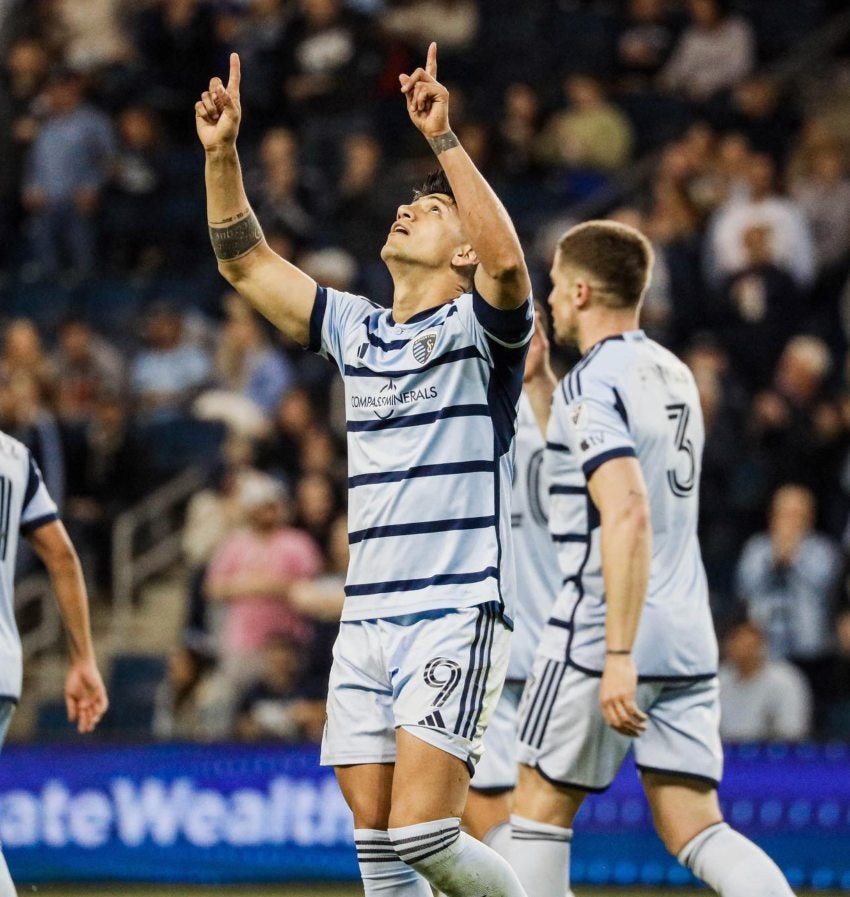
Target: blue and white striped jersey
[628,396]
[25,505]
[431,416]
[538,580]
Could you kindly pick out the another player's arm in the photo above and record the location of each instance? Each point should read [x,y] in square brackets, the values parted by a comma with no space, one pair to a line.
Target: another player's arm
[539,382]
[501,277]
[278,290]
[618,491]
[85,694]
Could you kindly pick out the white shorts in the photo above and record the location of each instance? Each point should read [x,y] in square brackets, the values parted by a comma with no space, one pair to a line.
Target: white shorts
[496,771]
[438,675]
[563,735]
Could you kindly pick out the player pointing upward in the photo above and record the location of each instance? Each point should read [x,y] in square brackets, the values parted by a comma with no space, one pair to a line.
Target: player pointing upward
[629,656]
[432,387]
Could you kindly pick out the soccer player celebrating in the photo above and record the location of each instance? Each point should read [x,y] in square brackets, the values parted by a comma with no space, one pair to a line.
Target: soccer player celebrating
[432,387]
[629,657]
[27,508]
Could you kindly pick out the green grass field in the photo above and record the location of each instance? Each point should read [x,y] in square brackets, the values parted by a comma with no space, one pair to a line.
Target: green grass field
[119,890]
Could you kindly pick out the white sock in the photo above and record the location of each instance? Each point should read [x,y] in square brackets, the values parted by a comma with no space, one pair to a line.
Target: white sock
[498,838]
[7,888]
[540,855]
[735,867]
[381,870]
[454,862]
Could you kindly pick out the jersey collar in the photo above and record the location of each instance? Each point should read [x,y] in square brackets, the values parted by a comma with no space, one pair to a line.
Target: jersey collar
[626,336]
[419,316]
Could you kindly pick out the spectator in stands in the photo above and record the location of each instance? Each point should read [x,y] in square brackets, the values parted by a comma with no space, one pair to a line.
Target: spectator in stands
[823,193]
[176,42]
[794,426]
[295,416]
[277,188]
[170,370]
[106,472]
[591,133]
[760,699]
[793,249]
[86,363]
[644,42]
[279,704]
[453,24]
[316,506]
[713,53]
[758,110]
[246,362]
[68,164]
[786,579]
[23,353]
[331,67]
[251,572]
[756,309]
[92,33]
[363,204]
[188,706]
[136,228]
[519,128]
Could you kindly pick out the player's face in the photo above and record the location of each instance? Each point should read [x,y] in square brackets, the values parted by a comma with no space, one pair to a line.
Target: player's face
[426,232]
[562,304]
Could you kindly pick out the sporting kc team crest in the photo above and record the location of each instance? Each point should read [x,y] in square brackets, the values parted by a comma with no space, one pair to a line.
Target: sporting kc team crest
[423,346]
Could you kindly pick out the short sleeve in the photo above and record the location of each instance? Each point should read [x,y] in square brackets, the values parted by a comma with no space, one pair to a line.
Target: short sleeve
[38,507]
[597,423]
[511,328]
[333,317]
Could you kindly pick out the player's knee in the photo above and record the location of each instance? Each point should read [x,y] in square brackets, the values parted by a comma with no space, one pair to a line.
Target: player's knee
[537,799]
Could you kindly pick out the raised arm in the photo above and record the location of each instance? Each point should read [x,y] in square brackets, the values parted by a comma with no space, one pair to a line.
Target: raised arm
[275,288]
[501,277]
[618,490]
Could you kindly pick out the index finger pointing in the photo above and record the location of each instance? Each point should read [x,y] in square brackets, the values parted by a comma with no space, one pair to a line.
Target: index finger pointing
[431,64]
[235,74]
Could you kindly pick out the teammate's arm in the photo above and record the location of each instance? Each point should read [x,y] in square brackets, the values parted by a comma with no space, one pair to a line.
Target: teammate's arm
[539,382]
[501,277]
[85,694]
[275,288]
[618,490]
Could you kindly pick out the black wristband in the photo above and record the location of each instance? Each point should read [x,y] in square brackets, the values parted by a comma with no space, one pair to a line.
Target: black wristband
[622,652]
[443,142]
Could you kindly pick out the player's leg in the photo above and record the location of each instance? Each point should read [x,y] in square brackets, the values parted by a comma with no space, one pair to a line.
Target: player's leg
[681,761]
[7,889]
[566,750]
[359,741]
[488,807]
[688,820]
[449,674]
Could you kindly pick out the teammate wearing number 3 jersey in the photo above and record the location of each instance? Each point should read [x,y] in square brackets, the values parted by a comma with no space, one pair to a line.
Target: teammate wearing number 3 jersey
[629,657]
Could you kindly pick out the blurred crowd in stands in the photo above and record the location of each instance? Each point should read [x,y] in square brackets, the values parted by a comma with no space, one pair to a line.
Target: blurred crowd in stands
[123,358]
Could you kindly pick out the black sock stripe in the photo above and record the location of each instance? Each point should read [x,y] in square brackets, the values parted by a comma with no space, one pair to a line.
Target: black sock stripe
[516,837]
[424,856]
[425,836]
[386,843]
[422,845]
[365,860]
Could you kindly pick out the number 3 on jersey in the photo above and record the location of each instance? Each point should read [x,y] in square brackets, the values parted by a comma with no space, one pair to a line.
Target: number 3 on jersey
[682,486]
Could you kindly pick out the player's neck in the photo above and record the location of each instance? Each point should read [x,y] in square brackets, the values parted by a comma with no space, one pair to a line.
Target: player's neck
[415,290]
[603,324]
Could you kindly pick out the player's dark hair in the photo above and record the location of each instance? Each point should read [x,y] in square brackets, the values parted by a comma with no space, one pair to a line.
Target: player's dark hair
[617,256]
[436,182]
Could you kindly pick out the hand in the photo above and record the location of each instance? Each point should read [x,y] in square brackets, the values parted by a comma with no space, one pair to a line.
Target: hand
[218,112]
[617,696]
[85,695]
[537,360]
[427,99]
